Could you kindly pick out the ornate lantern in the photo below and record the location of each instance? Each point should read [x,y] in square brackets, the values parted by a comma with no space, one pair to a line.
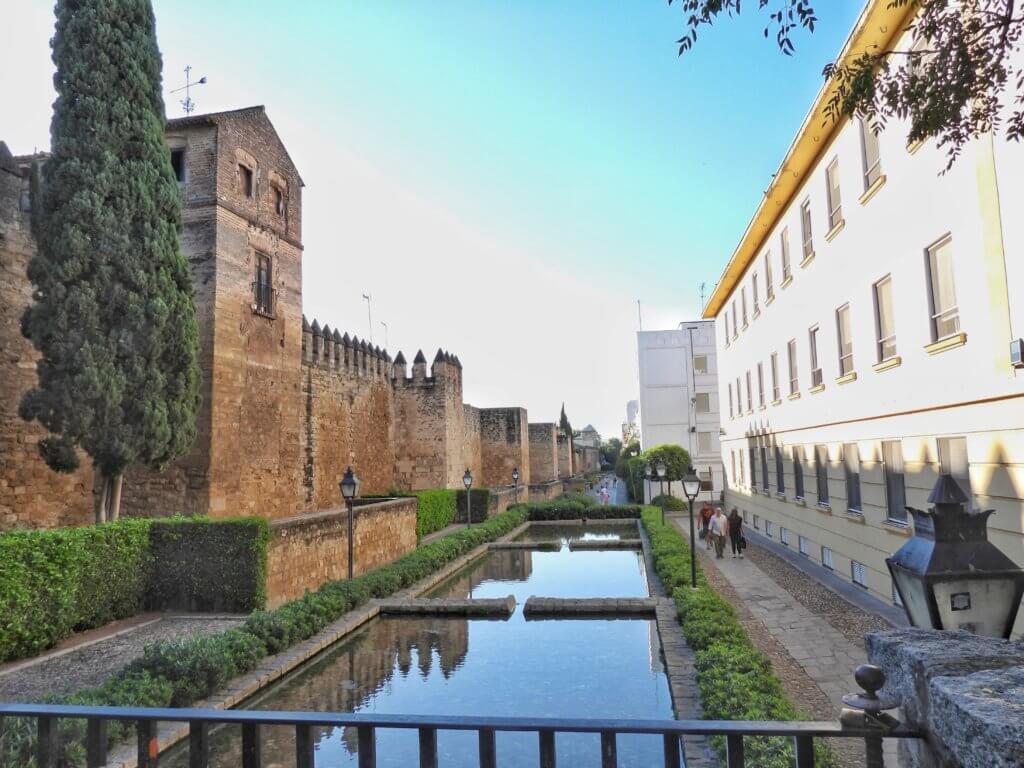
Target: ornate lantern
[949,575]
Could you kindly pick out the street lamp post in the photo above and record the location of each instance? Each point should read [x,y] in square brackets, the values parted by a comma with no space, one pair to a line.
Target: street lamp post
[515,482]
[661,470]
[467,480]
[691,487]
[648,471]
[349,490]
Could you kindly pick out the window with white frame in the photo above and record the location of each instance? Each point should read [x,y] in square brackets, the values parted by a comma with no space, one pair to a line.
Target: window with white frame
[725,317]
[775,376]
[798,471]
[794,383]
[757,522]
[835,204]
[858,574]
[784,253]
[945,316]
[764,469]
[804,544]
[730,399]
[812,340]
[707,480]
[821,473]
[739,397]
[845,338]
[760,384]
[735,325]
[851,466]
[870,155]
[702,402]
[751,453]
[769,289]
[753,288]
[780,472]
[805,228]
[885,319]
[732,459]
[895,490]
[769,528]
[750,394]
[784,535]
[700,364]
[746,516]
[953,461]
[703,442]
[743,304]
[826,558]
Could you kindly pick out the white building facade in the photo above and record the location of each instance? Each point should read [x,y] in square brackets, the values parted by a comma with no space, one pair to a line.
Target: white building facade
[679,397]
[865,326]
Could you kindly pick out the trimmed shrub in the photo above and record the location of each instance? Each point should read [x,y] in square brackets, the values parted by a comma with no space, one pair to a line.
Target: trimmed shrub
[735,679]
[436,510]
[573,510]
[201,564]
[584,499]
[53,583]
[481,502]
[671,503]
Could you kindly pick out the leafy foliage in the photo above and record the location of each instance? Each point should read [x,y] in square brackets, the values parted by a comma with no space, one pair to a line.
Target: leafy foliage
[481,502]
[676,458]
[179,673]
[610,450]
[621,464]
[671,503]
[959,78]
[564,425]
[570,509]
[112,311]
[436,511]
[735,680]
[56,582]
[201,564]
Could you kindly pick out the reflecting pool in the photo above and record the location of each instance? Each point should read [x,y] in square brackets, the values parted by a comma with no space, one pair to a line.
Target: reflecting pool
[454,666]
[591,532]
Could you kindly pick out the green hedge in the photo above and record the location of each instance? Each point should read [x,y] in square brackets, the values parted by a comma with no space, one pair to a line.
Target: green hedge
[735,680]
[571,510]
[436,511]
[179,673]
[53,583]
[481,498]
[671,503]
[200,564]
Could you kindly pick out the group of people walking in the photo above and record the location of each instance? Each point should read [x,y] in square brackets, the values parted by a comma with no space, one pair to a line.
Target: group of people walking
[716,527]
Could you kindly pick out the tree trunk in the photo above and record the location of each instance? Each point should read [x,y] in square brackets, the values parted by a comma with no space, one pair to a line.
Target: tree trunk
[101,510]
[114,510]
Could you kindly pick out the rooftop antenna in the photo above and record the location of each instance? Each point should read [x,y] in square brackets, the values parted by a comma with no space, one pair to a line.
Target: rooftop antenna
[369,314]
[187,104]
[385,333]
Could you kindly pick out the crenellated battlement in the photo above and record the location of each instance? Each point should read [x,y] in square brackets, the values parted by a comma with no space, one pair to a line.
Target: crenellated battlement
[330,349]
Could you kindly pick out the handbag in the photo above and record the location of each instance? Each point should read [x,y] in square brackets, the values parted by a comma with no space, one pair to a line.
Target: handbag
[743,543]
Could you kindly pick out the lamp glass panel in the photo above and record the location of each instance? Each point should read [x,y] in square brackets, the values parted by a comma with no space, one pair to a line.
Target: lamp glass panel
[980,605]
[691,487]
[915,597]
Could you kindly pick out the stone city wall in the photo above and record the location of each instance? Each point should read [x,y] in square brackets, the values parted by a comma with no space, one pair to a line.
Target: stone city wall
[543,453]
[565,454]
[545,491]
[310,549]
[504,446]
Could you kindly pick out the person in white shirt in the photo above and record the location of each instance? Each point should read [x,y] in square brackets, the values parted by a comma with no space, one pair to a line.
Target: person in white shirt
[719,530]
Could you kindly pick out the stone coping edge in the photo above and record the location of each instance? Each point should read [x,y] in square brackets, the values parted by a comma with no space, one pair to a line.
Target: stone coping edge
[589,521]
[502,607]
[584,544]
[367,507]
[605,607]
[543,546]
[271,668]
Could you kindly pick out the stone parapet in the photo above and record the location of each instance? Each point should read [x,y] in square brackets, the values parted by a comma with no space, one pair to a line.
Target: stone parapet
[545,491]
[964,692]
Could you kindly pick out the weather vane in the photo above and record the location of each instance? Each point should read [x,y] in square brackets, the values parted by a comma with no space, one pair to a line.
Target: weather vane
[187,104]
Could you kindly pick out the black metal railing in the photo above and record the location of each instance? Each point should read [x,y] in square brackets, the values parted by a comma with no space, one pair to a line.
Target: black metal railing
[250,721]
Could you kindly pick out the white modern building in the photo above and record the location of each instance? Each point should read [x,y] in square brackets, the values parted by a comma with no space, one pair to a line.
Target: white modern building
[679,396]
[867,326]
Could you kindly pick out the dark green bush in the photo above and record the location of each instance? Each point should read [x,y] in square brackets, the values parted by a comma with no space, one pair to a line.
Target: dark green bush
[481,502]
[53,583]
[584,499]
[201,564]
[573,510]
[671,503]
[735,679]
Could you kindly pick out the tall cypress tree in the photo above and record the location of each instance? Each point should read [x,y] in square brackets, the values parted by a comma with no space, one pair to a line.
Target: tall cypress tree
[112,309]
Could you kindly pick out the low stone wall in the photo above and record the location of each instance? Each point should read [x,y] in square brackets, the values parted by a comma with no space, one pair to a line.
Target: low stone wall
[311,549]
[505,497]
[545,491]
[966,693]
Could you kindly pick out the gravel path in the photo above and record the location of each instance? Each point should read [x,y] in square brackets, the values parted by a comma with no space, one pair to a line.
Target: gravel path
[850,620]
[91,665]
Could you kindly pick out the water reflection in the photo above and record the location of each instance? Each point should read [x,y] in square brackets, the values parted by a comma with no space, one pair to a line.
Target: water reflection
[590,532]
[454,666]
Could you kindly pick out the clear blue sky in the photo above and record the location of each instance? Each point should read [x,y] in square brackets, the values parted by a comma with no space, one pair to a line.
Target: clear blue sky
[506,179]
